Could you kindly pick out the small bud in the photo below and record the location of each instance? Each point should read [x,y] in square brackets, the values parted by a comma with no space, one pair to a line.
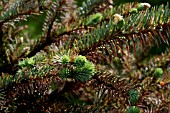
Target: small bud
[94,19]
[110,1]
[134,96]
[162,83]
[158,73]
[133,109]
[65,59]
[47,3]
[143,6]
[22,39]
[134,11]
[117,17]
[80,61]
[119,20]
[28,62]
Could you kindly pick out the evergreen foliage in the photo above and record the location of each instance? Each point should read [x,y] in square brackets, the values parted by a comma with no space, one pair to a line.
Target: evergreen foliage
[134,96]
[84,56]
[158,72]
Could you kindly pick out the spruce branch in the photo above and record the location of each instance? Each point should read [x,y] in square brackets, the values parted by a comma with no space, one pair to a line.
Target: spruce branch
[143,26]
[63,79]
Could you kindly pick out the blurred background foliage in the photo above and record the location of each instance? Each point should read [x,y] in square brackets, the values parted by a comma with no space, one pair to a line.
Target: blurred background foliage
[34,25]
